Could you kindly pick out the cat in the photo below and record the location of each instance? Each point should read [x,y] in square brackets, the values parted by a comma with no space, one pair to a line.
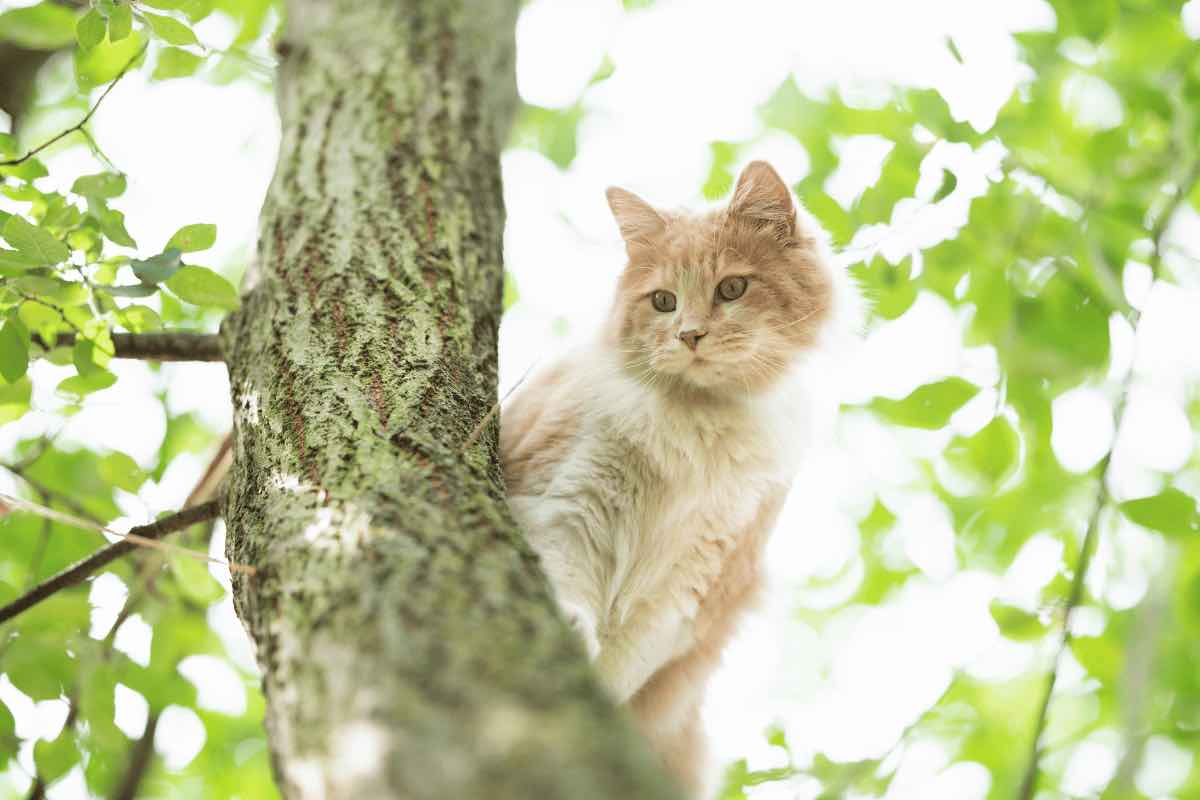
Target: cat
[648,467]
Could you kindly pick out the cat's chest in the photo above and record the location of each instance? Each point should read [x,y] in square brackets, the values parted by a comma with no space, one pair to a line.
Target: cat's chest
[704,482]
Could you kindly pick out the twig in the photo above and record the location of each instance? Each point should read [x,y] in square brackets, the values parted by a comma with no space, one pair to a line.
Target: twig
[49,494]
[141,754]
[214,473]
[141,535]
[78,126]
[158,346]
[492,412]
[1029,782]
[135,536]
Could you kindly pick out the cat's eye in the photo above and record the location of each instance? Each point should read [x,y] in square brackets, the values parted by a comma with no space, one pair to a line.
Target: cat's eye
[731,288]
[663,301]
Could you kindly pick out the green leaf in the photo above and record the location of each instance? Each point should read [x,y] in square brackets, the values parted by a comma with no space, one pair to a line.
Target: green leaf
[82,385]
[170,30]
[990,455]
[191,238]
[122,471]
[889,287]
[511,295]
[46,26]
[34,243]
[176,63]
[14,353]
[132,290]
[949,183]
[14,400]
[90,29]
[1016,623]
[40,320]
[105,185]
[1171,511]
[8,734]
[1101,656]
[929,406]
[54,759]
[28,170]
[88,357]
[157,269]
[120,21]
[14,263]
[203,287]
[551,132]
[111,222]
[195,581]
[139,319]
[106,60]
[953,48]
[59,292]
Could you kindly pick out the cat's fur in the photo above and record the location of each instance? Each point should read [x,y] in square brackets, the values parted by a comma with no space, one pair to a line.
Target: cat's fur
[646,474]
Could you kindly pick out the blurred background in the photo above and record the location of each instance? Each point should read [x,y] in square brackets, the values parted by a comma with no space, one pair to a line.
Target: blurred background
[1015,187]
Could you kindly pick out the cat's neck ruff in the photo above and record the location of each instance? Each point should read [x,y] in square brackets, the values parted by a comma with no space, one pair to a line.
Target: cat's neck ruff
[673,422]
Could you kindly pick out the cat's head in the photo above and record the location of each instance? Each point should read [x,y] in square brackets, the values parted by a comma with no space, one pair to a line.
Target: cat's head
[723,301]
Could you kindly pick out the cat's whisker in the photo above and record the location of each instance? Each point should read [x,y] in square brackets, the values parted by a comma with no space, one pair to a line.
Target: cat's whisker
[793,322]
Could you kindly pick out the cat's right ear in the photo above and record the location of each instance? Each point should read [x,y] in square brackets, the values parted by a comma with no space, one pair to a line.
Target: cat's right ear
[637,219]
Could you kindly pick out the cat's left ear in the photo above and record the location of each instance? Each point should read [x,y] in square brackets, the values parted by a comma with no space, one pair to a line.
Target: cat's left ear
[763,197]
[637,219]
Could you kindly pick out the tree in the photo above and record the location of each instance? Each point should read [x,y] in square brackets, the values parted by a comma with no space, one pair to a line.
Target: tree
[407,638]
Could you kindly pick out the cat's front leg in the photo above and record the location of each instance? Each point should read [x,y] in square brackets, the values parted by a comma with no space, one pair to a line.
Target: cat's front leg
[583,622]
[631,652]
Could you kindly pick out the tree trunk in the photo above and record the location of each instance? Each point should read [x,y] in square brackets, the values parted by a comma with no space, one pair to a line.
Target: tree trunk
[406,635]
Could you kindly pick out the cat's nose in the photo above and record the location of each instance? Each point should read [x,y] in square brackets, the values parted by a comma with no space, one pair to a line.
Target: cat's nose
[692,338]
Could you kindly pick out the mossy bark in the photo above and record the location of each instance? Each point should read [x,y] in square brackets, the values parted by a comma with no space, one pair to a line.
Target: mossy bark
[406,635]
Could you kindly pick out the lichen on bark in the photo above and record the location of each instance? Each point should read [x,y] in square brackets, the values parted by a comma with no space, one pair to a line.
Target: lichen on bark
[407,639]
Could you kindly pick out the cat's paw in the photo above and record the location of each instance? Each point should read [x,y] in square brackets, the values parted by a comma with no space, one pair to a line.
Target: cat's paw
[583,622]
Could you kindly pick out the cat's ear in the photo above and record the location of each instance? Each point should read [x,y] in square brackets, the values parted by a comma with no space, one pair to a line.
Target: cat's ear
[763,197]
[637,219]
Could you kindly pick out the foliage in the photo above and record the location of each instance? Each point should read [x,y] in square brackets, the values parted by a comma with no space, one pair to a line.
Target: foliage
[72,276]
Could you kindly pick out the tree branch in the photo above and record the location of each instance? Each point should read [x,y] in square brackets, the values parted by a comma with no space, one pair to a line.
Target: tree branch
[78,126]
[159,346]
[141,754]
[76,573]
[1029,782]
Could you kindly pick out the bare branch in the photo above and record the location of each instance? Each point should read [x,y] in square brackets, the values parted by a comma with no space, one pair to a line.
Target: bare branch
[78,126]
[51,495]
[140,756]
[159,346]
[1029,782]
[76,573]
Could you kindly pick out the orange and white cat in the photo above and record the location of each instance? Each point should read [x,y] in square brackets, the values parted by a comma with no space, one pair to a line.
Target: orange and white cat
[648,468]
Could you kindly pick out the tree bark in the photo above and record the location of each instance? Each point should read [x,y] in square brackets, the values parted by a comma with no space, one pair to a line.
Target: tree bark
[407,638]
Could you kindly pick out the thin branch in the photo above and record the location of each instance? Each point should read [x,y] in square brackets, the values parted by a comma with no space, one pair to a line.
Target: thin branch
[76,573]
[53,495]
[1029,782]
[475,434]
[78,126]
[207,487]
[159,346]
[141,755]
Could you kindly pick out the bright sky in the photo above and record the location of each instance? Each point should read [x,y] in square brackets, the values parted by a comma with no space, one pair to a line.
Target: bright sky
[687,73]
